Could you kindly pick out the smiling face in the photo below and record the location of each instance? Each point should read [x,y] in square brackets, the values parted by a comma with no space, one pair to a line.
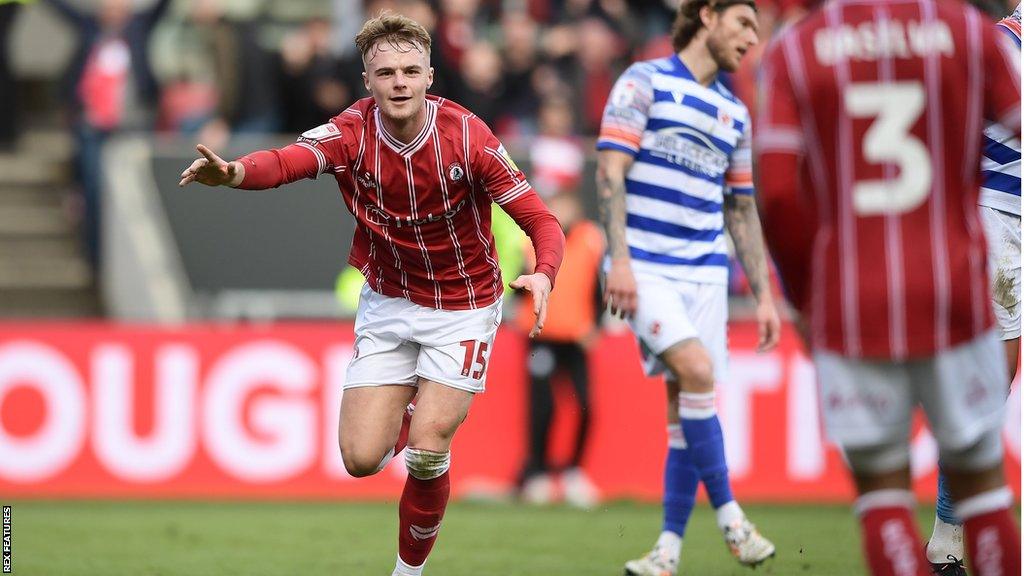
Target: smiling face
[731,33]
[397,75]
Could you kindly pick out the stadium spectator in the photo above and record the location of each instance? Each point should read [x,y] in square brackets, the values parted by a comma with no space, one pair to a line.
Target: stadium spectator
[456,29]
[109,86]
[869,156]
[520,54]
[8,93]
[424,173]
[242,69]
[310,83]
[570,332]
[479,83]
[556,155]
[664,195]
[599,57]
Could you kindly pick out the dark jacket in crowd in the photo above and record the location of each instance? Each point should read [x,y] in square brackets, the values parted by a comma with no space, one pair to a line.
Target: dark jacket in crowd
[136,34]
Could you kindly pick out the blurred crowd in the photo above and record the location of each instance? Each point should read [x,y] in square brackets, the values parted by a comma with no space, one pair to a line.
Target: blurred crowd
[528,68]
[537,71]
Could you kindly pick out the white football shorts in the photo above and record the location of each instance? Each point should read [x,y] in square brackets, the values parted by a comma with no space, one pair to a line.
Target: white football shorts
[398,341]
[670,311]
[1003,233]
[867,403]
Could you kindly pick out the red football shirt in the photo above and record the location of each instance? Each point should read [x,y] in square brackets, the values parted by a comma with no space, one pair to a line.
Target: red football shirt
[868,147]
[423,208]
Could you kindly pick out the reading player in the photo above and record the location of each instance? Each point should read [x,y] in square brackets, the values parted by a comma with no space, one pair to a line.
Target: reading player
[673,172]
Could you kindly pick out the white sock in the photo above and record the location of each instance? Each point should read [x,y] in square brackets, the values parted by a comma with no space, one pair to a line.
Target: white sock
[946,540]
[728,513]
[670,543]
[403,569]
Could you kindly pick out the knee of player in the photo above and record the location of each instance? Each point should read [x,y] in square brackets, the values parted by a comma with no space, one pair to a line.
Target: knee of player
[883,460]
[985,453]
[360,463]
[696,375]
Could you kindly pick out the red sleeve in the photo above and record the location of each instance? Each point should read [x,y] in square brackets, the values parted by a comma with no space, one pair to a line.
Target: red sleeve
[788,219]
[271,168]
[1002,79]
[543,229]
[494,168]
[313,154]
[507,187]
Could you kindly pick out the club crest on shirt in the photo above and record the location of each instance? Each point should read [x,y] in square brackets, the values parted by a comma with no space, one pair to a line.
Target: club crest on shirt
[366,180]
[724,118]
[655,328]
[455,172]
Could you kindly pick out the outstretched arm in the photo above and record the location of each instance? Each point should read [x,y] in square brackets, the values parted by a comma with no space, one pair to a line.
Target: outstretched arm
[620,284]
[256,171]
[744,226]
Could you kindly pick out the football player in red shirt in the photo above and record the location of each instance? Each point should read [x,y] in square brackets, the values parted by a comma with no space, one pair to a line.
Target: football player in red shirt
[868,146]
[419,174]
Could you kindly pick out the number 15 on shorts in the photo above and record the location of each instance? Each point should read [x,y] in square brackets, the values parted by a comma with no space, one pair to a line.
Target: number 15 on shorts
[474,356]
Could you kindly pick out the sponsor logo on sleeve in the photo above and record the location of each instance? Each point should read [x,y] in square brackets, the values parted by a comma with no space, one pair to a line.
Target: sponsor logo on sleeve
[625,94]
[320,132]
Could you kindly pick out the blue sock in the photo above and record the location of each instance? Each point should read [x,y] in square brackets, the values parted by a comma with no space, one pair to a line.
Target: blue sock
[944,503]
[680,483]
[703,435]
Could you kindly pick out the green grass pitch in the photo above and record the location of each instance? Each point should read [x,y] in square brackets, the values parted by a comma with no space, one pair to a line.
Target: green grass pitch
[359,539]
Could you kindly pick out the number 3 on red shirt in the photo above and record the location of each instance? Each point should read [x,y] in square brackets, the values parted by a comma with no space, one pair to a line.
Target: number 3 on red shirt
[478,349]
[896,107]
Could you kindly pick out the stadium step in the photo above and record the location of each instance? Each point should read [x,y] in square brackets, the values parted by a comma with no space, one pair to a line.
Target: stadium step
[37,220]
[26,272]
[43,269]
[25,169]
[38,248]
[32,195]
[22,304]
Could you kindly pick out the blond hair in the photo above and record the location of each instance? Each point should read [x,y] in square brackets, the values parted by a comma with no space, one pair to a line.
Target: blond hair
[397,30]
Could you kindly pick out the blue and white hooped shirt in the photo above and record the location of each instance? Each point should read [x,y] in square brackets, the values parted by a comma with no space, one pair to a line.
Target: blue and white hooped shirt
[691,145]
[1000,160]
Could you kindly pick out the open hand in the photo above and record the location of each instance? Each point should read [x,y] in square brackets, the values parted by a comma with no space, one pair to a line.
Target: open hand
[620,289]
[768,326]
[540,286]
[212,170]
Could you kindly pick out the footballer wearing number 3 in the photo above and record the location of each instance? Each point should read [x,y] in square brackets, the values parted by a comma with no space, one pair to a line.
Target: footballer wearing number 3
[869,144]
[419,174]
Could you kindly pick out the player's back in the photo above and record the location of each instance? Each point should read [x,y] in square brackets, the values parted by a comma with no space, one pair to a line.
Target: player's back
[892,96]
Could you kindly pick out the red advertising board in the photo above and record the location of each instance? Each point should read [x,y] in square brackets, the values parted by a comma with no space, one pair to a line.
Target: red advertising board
[211,411]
